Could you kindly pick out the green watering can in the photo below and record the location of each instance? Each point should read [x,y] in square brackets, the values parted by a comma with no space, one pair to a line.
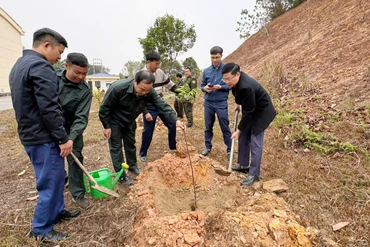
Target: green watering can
[103,177]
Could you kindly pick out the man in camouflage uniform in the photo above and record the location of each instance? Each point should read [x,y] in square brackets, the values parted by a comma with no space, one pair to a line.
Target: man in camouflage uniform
[179,108]
[75,97]
[188,104]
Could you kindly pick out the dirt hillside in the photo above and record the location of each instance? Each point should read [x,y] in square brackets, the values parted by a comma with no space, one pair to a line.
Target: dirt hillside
[325,41]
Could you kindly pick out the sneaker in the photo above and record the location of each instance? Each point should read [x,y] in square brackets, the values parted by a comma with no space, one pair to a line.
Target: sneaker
[82,203]
[172,151]
[66,215]
[206,152]
[143,159]
[127,180]
[52,236]
[134,170]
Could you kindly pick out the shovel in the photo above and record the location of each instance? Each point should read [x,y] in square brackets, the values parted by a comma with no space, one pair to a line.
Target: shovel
[222,172]
[95,186]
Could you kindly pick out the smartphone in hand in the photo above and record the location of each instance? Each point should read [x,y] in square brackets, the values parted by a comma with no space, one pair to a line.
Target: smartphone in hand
[209,85]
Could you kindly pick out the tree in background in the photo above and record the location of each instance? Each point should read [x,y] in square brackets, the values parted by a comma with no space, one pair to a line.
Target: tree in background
[131,67]
[169,36]
[59,64]
[95,69]
[264,12]
[190,62]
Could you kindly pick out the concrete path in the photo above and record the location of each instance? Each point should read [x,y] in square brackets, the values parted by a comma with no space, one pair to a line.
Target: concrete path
[5,103]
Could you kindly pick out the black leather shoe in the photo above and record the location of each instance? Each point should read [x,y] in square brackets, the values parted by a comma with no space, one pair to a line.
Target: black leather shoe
[250,180]
[206,152]
[127,180]
[52,236]
[242,169]
[67,215]
[134,170]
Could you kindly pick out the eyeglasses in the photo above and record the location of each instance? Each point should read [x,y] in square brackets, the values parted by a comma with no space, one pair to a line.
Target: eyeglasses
[228,79]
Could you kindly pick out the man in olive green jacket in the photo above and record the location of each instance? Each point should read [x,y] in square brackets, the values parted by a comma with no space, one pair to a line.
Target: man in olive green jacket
[75,97]
[124,101]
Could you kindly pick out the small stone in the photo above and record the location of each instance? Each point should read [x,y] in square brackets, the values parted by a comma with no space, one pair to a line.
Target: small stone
[340,225]
[151,241]
[192,238]
[171,221]
[243,240]
[279,213]
[275,185]
[237,220]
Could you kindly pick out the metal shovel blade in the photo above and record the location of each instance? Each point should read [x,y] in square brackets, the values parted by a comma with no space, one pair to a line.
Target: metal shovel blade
[228,171]
[222,172]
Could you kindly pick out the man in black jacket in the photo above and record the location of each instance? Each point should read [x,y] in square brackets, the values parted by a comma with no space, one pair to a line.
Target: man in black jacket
[34,89]
[258,112]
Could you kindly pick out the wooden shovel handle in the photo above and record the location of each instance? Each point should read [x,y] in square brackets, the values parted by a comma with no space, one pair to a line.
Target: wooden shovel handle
[84,169]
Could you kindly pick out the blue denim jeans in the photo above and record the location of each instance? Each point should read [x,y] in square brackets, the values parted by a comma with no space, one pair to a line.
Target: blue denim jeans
[49,171]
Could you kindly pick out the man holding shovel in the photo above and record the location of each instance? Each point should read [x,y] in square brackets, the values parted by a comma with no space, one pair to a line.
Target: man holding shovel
[258,112]
[123,102]
[75,97]
[34,87]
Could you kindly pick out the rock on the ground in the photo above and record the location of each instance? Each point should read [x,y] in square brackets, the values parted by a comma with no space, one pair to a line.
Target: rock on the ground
[275,185]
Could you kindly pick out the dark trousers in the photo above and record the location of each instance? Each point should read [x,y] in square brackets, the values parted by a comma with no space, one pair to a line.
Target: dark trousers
[127,135]
[249,143]
[179,108]
[75,174]
[148,131]
[49,172]
[210,111]
[188,108]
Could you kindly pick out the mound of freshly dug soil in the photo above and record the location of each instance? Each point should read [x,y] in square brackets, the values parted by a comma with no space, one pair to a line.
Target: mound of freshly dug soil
[227,214]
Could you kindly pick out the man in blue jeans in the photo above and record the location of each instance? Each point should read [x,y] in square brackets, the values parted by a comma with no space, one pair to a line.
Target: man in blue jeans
[34,89]
[215,101]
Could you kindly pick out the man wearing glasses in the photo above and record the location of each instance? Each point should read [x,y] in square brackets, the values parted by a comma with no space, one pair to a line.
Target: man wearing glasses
[258,112]
[215,101]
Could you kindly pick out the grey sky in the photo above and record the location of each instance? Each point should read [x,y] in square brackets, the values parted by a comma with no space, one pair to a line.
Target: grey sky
[110,29]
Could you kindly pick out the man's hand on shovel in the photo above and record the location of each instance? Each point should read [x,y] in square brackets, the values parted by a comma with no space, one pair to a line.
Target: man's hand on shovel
[237,108]
[180,124]
[235,135]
